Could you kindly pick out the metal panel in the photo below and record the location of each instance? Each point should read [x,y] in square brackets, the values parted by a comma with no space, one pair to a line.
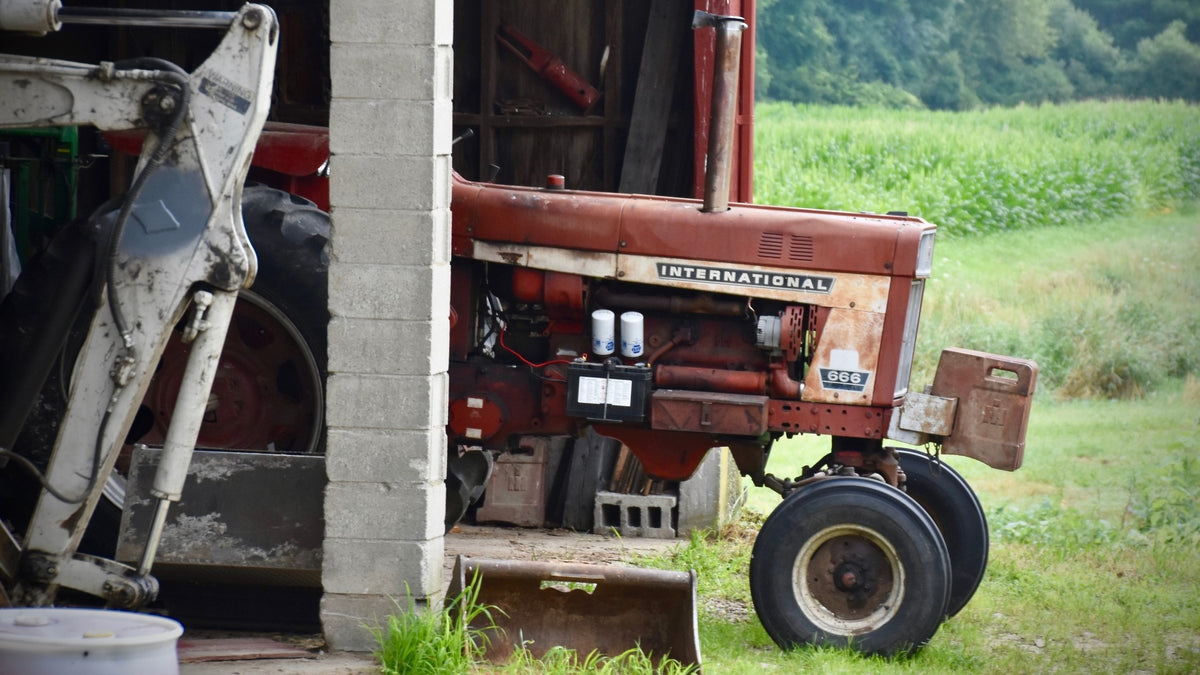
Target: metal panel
[994,396]
[589,263]
[859,291]
[240,512]
[515,492]
[846,363]
[712,412]
[927,414]
[608,609]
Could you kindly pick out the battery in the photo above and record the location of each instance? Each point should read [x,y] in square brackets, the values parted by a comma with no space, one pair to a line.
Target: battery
[607,391]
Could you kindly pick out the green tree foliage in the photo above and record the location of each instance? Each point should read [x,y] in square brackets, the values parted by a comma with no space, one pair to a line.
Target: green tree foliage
[1166,66]
[959,54]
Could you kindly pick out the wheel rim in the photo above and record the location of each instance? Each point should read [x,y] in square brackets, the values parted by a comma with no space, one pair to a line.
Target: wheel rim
[848,580]
[267,394]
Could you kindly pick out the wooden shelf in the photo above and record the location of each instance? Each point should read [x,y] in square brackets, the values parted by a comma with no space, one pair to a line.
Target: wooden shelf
[530,121]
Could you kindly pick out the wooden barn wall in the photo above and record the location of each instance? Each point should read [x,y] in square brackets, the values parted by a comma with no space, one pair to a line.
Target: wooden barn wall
[524,128]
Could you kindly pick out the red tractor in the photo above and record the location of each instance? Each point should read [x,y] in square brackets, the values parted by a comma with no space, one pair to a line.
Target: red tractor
[671,325]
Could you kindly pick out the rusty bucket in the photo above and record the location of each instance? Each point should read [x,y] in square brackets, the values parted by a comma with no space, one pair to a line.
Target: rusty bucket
[608,609]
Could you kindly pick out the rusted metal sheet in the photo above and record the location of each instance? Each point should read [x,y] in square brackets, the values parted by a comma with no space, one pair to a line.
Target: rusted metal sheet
[244,516]
[994,397]
[589,263]
[604,608]
[820,418]
[927,414]
[712,412]
[844,367]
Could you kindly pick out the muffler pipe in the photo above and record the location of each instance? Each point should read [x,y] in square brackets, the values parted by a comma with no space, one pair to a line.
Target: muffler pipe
[726,63]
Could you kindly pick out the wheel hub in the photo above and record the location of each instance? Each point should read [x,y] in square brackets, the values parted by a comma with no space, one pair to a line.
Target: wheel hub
[848,580]
[267,394]
[848,577]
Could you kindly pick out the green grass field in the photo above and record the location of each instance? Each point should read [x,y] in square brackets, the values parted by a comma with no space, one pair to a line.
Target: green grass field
[982,171]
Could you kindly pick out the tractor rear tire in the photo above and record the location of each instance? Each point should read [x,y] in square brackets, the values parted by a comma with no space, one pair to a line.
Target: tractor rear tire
[269,395]
[850,562]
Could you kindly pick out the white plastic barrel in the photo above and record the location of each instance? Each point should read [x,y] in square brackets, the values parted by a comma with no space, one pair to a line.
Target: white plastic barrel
[632,335]
[603,332]
[58,640]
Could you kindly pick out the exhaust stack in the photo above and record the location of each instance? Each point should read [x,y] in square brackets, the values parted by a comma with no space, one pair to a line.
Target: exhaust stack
[721,126]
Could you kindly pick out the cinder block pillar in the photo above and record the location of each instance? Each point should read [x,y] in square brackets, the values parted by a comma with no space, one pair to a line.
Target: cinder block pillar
[389,296]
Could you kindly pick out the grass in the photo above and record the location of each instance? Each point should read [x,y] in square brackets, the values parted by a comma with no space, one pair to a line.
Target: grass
[984,171]
[423,641]
[1111,310]
[454,640]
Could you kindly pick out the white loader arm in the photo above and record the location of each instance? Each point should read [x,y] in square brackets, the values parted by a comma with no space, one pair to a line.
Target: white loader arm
[177,235]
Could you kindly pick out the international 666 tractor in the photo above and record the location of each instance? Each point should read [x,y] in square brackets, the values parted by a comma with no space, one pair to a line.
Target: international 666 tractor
[671,325]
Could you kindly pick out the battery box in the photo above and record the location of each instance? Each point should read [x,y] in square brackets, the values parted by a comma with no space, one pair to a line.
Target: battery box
[607,391]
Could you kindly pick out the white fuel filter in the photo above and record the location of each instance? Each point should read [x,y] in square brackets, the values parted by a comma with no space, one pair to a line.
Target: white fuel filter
[603,336]
[631,335]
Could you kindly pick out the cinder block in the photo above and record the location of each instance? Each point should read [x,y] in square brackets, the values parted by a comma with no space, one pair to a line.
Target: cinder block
[405,292]
[390,181]
[712,497]
[385,512]
[390,237]
[388,347]
[379,70]
[416,456]
[394,568]
[347,619]
[648,516]
[391,127]
[394,22]
[385,401]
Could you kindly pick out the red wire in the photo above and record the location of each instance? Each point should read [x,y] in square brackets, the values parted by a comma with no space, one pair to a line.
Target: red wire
[525,360]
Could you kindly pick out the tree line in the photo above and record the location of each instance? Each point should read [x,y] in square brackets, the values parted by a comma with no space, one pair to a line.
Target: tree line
[961,54]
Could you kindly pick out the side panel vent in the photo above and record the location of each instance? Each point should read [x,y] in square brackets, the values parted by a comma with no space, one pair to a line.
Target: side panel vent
[770,245]
[800,248]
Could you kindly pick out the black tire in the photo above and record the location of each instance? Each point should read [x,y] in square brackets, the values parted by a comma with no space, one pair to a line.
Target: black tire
[273,367]
[850,562]
[949,500]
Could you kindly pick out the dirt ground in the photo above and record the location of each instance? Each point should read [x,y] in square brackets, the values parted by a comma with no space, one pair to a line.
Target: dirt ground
[308,658]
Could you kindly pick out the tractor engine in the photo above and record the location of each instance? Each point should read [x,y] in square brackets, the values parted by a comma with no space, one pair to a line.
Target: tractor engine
[674,329]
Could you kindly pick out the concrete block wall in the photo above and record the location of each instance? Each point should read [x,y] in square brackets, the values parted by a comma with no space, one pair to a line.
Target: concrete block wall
[391,65]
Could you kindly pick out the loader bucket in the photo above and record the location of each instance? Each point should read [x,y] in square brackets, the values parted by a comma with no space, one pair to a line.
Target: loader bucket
[608,609]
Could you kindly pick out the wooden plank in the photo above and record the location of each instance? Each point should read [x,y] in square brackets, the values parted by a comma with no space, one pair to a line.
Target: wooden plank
[237,649]
[652,100]
[591,459]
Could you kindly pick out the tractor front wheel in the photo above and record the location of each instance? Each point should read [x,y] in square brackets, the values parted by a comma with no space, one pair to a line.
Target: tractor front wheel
[850,562]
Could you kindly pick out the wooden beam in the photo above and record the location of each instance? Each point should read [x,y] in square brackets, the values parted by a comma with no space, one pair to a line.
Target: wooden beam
[665,28]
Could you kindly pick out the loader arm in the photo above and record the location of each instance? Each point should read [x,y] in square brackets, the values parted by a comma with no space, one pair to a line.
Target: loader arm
[176,238]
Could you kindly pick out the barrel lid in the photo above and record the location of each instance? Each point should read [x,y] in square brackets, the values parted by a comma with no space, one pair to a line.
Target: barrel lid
[94,627]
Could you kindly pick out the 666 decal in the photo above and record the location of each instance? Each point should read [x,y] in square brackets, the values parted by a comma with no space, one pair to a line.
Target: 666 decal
[844,379]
